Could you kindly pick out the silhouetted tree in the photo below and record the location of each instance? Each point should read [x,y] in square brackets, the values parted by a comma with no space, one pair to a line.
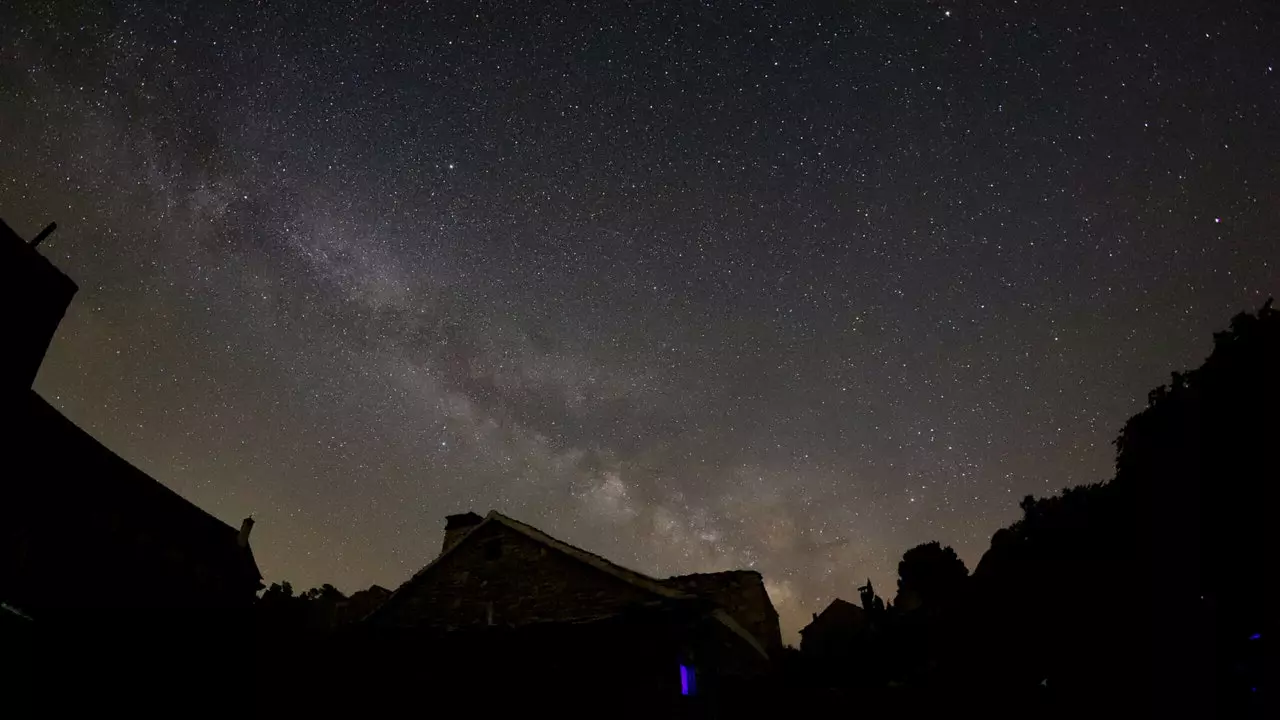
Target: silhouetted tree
[1140,594]
[929,574]
[278,592]
[1200,463]
[324,595]
[315,609]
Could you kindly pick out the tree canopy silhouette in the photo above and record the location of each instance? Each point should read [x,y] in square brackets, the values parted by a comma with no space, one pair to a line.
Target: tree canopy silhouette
[315,609]
[1142,592]
[929,574]
[1145,594]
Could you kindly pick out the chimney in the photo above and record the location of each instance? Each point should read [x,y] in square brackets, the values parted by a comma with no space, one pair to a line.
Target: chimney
[455,526]
[245,528]
[34,295]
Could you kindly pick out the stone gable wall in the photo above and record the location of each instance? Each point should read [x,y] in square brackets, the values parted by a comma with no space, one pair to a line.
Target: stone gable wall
[743,596]
[522,580]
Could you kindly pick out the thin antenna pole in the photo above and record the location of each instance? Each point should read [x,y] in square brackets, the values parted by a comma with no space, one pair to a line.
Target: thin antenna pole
[44,234]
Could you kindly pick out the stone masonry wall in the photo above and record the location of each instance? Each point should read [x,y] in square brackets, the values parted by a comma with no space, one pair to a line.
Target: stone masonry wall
[520,579]
[740,593]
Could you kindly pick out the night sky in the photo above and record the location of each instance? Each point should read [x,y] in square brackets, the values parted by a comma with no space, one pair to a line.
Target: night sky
[695,286]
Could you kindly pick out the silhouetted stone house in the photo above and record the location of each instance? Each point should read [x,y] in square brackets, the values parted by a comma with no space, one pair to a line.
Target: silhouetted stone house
[542,620]
[81,529]
[834,632]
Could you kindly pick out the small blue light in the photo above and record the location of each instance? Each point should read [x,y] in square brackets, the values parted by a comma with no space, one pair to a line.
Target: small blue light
[684,680]
[1256,636]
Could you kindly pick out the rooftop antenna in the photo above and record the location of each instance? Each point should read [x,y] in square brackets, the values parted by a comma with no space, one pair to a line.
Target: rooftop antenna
[44,234]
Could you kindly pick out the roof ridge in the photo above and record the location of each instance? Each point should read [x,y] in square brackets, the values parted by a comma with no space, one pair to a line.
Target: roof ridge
[600,562]
[716,572]
[152,484]
[627,575]
[836,603]
[421,571]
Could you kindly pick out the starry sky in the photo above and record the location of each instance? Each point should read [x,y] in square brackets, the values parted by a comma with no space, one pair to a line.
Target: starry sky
[693,285]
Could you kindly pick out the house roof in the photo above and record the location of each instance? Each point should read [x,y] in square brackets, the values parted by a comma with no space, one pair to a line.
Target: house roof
[715,582]
[722,577]
[599,563]
[640,580]
[836,611]
[637,579]
[57,445]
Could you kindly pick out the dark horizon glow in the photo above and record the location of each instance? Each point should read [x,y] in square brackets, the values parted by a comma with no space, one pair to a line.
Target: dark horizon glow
[692,286]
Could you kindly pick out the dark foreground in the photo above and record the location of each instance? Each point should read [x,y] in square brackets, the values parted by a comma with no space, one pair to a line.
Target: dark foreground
[218,670]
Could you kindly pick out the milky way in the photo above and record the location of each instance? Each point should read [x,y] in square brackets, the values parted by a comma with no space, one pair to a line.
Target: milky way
[695,286]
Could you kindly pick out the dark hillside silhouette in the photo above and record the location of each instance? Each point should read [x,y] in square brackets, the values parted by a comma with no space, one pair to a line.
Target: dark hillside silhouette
[1144,595]
[1145,592]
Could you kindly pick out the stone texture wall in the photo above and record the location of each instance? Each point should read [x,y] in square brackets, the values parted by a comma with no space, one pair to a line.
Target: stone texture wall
[740,593]
[502,574]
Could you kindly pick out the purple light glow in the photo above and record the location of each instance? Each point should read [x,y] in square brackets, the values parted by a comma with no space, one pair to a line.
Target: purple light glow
[684,680]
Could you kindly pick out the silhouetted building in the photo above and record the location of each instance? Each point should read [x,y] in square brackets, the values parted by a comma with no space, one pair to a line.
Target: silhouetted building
[82,530]
[34,295]
[834,633]
[550,621]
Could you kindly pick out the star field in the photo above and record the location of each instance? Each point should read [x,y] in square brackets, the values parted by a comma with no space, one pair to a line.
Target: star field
[693,285]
